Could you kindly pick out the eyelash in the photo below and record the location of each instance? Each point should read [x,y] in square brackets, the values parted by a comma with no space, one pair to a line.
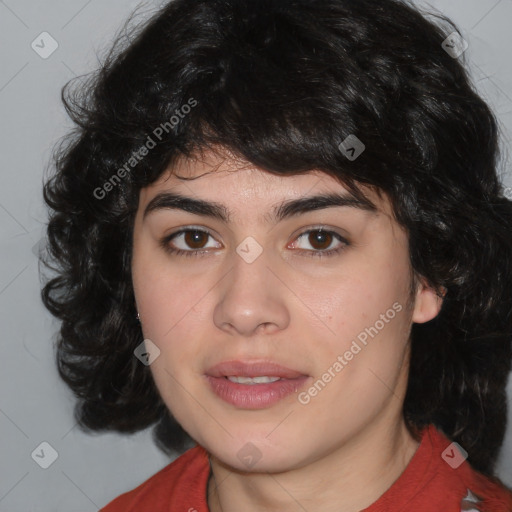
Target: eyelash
[164,242]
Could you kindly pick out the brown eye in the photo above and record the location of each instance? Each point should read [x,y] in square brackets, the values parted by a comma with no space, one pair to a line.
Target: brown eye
[188,242]
[320,240]
[195,239]
[321,243]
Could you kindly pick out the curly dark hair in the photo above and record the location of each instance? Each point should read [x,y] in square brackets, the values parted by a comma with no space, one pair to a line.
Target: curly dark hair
[280,83]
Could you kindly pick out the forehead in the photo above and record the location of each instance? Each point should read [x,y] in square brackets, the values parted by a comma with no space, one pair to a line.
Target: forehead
[222,177]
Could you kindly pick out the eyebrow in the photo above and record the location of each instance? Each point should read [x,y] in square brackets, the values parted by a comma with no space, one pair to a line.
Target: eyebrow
[284,210]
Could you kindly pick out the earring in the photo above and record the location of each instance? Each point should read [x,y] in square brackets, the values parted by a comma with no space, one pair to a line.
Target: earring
[138,317]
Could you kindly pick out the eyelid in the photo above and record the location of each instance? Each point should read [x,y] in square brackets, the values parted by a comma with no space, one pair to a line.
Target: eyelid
[320,227]
[325,252]
[167,238]
[305,230]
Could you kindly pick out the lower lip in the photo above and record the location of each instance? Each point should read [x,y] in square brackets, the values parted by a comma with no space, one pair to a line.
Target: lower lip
[254,396]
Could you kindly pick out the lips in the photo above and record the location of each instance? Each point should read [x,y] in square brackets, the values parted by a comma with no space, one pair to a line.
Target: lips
[253,369]
[253,395]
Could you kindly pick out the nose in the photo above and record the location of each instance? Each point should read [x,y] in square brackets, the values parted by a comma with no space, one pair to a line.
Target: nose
[252,299]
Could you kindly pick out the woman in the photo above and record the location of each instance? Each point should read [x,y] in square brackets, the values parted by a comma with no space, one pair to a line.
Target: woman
[281,238]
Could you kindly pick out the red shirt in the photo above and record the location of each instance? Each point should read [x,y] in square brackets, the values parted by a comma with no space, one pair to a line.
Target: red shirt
[435,480]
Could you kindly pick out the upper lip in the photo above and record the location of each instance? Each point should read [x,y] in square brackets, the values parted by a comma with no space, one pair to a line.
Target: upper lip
[252,369]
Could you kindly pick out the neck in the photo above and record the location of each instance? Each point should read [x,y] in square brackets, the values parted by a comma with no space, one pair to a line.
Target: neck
[355,474]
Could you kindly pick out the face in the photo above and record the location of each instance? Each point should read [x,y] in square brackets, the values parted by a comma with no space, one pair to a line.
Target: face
[316,299]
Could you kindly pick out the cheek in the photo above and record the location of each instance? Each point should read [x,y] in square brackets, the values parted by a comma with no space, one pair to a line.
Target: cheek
[365,320]
[167,299]
[356,301]
[175,306]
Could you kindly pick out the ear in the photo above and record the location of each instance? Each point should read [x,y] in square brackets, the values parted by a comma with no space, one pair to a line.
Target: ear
[427,304]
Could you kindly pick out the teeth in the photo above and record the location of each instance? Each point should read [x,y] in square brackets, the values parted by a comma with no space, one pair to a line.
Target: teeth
[252,380]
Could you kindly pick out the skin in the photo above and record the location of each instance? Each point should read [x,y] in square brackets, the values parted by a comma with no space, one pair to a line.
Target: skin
[349,443]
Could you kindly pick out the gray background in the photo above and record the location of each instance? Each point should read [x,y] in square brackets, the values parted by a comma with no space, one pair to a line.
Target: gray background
[35,406]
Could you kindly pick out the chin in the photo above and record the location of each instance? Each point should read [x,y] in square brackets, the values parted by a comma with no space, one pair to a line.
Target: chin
[255,454]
